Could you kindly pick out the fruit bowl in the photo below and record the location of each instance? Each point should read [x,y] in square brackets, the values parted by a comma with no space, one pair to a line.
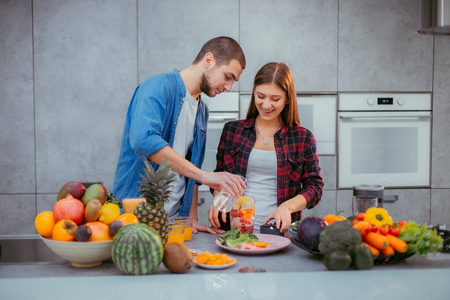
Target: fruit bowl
[81,254]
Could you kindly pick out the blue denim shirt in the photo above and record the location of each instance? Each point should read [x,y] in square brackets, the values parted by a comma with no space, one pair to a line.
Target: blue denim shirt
[150,125]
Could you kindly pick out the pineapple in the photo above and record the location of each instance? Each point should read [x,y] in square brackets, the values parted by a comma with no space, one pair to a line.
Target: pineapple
[155,188]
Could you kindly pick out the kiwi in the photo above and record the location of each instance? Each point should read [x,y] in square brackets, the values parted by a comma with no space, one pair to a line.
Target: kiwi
[92,210]
[177,258]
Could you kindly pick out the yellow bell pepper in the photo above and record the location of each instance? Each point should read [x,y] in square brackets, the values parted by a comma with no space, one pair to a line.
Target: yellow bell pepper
[378,216]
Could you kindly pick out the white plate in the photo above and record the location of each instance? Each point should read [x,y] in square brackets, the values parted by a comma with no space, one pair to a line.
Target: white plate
[275,243]
[215,267]
[195,252]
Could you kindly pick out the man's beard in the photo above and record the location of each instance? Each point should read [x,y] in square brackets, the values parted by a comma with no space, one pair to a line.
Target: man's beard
[205,86]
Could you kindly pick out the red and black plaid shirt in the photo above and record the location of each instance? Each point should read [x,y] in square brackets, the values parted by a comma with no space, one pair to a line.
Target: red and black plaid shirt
[297,159]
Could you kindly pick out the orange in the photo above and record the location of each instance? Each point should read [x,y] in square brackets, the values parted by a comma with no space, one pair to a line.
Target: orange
[44,223]
[127,218]
[100,231]
[64,230]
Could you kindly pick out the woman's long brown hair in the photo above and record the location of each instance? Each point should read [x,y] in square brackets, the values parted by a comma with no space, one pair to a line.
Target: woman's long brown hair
[280,75]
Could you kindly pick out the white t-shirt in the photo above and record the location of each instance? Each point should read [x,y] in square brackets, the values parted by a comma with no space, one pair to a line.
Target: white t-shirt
[184,137]
[262,183]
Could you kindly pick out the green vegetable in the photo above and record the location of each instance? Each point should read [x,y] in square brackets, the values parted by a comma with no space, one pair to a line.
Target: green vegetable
[337,260]
[111,198]
[233,238]
[362,258]
[420,239]
[339,236]
[351,218]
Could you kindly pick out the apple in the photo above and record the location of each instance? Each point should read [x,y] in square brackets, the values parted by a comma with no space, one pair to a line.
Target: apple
[69,208]
[74,188]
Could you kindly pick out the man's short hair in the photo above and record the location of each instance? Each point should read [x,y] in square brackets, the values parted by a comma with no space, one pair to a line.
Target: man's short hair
[224,50]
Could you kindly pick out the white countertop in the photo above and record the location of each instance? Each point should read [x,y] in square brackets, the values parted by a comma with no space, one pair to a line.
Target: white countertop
[291,272]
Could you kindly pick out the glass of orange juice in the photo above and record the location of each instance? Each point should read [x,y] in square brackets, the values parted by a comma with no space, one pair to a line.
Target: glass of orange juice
[130,203]
[187,223]
[176,233]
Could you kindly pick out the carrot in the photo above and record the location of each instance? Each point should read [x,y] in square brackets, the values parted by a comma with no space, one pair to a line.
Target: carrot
[388,251]
[361,226]
[375,251]
[260,244]
[377,240]
[397,244]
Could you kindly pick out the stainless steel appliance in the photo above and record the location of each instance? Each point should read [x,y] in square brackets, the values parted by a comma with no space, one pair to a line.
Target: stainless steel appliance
[317,113]
[366,196]
[434,17]
[384,139]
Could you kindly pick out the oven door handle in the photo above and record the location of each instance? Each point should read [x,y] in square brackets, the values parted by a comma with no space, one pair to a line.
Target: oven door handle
[385,117]
[221,118]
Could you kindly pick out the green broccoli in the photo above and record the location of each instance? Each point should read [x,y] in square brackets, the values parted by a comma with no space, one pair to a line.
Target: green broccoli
[339,235]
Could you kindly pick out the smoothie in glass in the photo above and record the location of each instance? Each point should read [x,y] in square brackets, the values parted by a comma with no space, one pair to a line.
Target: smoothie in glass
[242,214]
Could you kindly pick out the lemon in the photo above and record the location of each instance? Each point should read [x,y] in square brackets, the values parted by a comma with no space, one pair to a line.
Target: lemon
[108,213]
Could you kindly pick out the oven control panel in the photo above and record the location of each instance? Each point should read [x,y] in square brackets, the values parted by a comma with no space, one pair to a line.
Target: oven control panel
[394,101]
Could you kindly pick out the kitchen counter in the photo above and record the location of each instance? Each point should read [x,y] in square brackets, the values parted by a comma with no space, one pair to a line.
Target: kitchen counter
[288,271]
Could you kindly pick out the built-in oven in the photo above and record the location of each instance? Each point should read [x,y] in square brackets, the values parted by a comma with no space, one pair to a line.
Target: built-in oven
[317,113]
[384,139]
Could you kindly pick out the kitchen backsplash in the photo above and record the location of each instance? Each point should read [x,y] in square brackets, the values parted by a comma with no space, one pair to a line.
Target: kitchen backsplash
[69,70]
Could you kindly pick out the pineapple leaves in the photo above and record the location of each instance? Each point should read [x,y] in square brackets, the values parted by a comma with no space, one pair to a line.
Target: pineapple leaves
[156,185]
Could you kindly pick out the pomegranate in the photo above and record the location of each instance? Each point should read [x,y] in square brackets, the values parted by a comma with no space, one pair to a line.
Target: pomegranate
[69,208]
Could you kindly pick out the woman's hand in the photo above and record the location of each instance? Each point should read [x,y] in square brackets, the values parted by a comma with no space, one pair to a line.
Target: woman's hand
[282,217]
[196,227]
[282,214]
[213,217]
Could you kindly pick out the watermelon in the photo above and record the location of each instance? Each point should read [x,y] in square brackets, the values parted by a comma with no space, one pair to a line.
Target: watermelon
[137,249]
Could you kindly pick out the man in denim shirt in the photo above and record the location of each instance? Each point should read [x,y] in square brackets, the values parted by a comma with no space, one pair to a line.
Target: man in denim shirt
[167,119]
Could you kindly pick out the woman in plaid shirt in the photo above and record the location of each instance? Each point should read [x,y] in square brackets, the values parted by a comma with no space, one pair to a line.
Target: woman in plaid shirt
[277,156]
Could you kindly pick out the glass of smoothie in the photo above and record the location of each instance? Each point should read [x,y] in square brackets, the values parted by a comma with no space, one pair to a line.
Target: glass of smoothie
[242,214]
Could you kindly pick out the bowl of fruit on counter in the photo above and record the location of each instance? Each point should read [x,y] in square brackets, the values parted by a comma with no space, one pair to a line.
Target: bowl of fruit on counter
[81,226]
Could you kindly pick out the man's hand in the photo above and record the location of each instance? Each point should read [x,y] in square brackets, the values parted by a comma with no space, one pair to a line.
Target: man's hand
[233,184]
[196,227]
